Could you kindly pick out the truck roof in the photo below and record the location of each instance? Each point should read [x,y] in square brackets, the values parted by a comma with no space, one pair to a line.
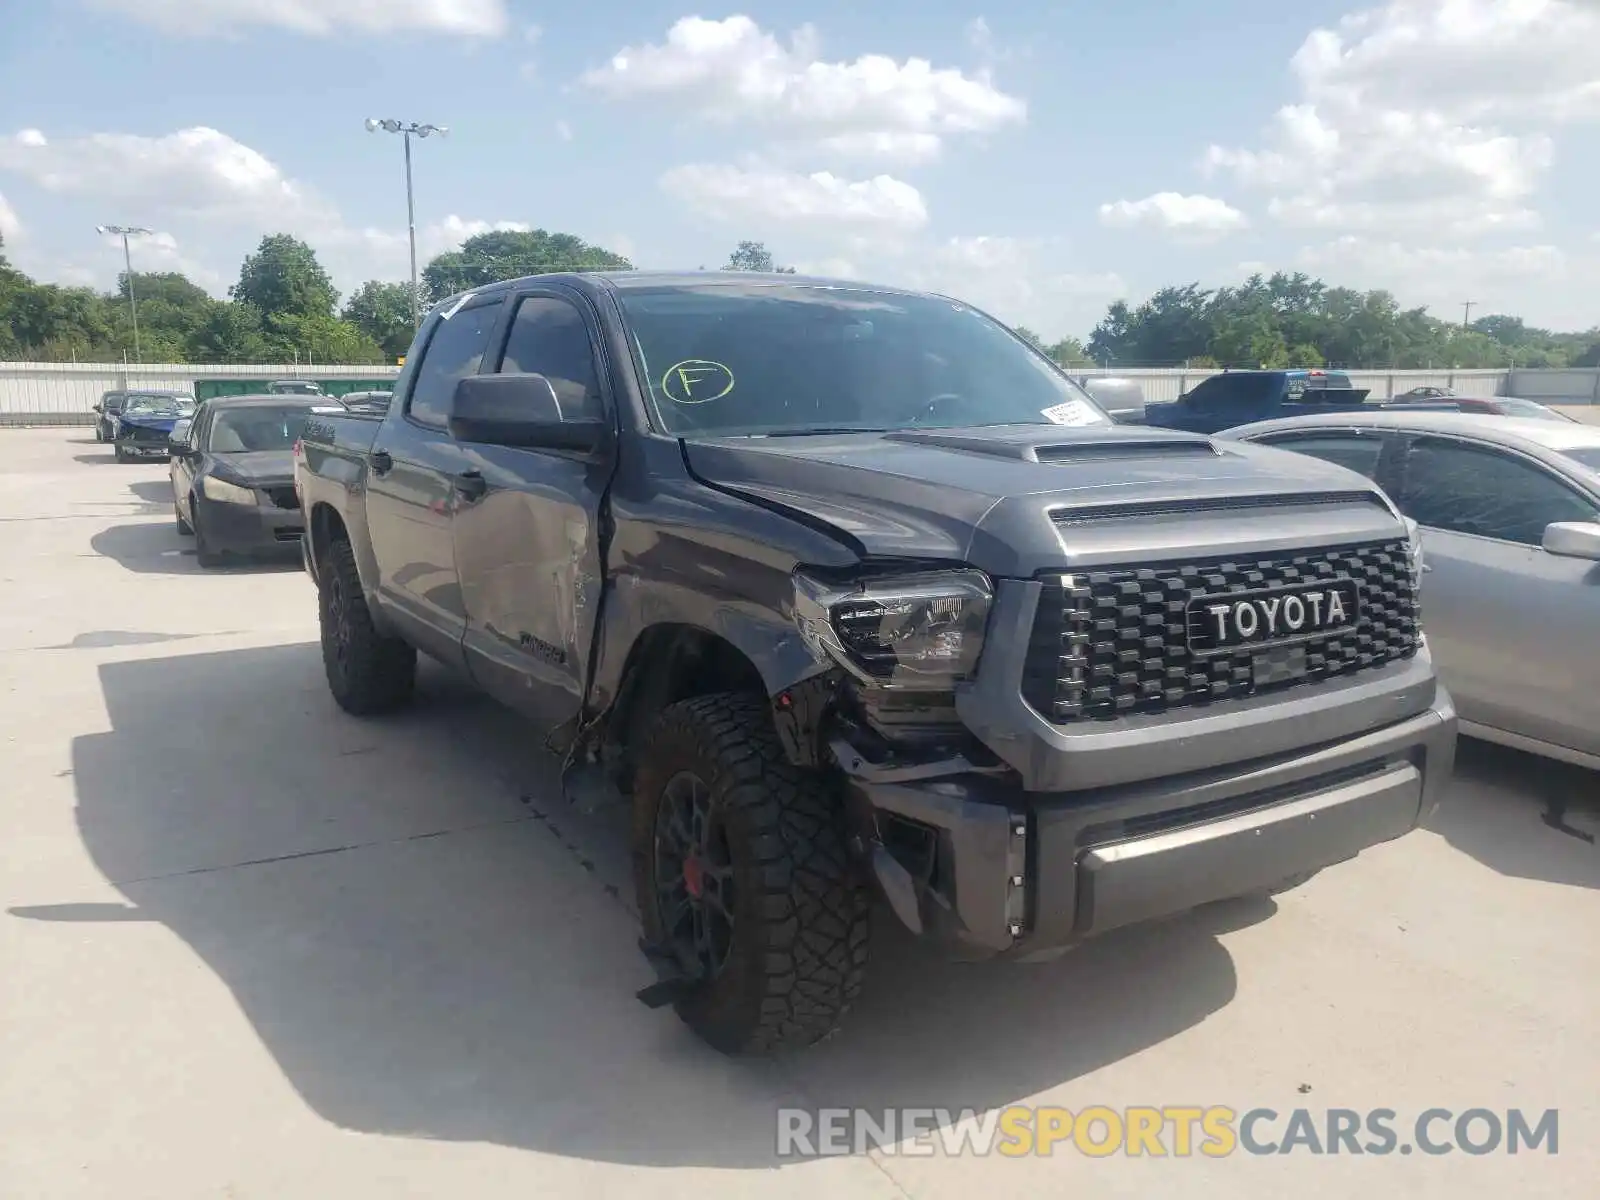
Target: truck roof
[630,280]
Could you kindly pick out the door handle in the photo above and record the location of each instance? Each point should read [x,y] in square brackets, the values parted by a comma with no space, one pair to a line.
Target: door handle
[380,462]
[471,484]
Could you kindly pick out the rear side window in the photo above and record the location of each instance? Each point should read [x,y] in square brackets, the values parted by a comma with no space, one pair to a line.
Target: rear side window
[548,337]
[454,351]
[1468,489]
[1358,452]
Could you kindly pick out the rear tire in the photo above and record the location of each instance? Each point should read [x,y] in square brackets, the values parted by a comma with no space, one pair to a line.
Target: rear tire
[368,673]
[783,924]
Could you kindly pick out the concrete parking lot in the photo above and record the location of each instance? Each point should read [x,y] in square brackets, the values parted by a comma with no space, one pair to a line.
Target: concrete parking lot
[251,947]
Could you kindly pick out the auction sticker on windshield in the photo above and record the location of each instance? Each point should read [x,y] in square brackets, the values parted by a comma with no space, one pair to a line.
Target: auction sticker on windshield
[1072,412]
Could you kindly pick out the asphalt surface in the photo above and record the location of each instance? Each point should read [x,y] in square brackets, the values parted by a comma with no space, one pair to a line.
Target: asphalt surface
[253,948]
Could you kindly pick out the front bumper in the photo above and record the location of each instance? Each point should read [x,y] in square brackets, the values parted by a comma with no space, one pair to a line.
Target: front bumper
[142,448]
[258,530]
[1001,871]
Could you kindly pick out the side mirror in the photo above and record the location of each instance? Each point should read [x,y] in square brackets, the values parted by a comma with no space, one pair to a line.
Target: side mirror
[1573,539]
[521,411]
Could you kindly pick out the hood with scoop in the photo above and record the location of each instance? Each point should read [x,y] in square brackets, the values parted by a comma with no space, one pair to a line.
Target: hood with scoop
[1015,500]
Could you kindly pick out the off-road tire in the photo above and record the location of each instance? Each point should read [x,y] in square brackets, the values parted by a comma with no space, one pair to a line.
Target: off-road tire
[183,526]
[375,674]
[801,912]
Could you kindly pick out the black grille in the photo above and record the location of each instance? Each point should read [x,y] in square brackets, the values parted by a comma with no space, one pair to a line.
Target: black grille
[1113,643]
[282,495]
[144,433]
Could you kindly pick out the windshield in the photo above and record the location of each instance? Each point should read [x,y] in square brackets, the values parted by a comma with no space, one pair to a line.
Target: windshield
[1527,408]
[159,406]
[746,359]
[1589,456]
[245,429]
[297,389]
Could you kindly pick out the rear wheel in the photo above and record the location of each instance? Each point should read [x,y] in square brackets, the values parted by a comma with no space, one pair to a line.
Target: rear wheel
[742,876]
[367,672]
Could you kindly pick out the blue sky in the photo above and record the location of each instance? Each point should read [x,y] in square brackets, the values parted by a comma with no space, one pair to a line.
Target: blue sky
[1039,161]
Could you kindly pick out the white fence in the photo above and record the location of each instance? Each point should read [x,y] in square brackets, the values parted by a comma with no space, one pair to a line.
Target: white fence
[65,393]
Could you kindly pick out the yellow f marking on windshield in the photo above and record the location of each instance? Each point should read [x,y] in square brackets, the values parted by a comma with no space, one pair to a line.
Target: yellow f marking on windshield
[696,381]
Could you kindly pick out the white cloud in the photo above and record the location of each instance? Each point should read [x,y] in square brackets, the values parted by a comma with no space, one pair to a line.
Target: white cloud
[761,194]
[197,172]
[733,70]
[1502,280]
[319,18]
[1194,216]
[1022,281]
[1426,117]
[10,223]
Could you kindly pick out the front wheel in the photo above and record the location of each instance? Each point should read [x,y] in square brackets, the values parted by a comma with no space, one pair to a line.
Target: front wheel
[122,455]
[204,553]
[177,516]
[742,875]
[367,672]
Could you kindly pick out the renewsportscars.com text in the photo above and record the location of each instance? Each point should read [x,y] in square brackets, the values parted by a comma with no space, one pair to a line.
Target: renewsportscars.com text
[1176,1131]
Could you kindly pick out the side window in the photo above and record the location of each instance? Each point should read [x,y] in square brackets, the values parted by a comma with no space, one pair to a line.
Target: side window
[548,337]
[1202,397]
[454,351]
[1358,452]
[1466,489]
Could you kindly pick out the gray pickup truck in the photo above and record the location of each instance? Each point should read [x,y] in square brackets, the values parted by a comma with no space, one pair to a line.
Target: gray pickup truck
[852,592]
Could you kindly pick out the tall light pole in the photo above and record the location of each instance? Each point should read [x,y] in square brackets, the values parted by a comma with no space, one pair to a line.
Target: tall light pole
[406,129]
[125,232]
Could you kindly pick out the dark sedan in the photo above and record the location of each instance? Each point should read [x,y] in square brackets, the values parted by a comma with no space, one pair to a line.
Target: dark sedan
[233,477]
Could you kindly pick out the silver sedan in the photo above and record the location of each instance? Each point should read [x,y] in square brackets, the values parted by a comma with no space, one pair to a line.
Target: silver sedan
[1509,510]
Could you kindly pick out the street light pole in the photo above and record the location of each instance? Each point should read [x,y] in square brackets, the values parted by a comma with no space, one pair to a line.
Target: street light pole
[406,129]
[125,231]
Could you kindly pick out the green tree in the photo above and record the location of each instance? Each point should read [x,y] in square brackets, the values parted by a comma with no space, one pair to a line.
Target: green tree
[509,254]
[1069,352]
[284,278]
[382,312]
[754,256]
[1028,335]
[229,333]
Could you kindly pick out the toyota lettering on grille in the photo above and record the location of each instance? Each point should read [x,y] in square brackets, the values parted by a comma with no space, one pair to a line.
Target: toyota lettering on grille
[1272,617]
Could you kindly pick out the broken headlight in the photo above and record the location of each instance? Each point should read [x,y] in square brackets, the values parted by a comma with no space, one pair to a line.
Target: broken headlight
[922,632]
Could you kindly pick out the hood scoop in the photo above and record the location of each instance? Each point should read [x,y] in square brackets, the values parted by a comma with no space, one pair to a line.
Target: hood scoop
[1033,444]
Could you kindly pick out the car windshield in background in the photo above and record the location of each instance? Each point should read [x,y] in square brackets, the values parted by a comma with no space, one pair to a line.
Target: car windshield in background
[243,430]
[745,359]
[158,406]
[1527,408]
[1589,456]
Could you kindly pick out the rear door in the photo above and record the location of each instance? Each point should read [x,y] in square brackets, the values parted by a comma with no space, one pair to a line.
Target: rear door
[413,483]
[529,548]
[1510,625]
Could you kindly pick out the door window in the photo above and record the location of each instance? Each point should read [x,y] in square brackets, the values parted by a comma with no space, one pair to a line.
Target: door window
[1487,493]
[454,351]
[548,337]
[1357,451]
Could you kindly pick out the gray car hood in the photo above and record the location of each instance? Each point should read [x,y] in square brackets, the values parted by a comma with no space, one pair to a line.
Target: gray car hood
[1006,498]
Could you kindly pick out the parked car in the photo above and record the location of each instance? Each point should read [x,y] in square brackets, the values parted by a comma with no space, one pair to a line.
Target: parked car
[106,410]
[143,426]
[917,616]
[233,477]
[1234,397]
[295,387]
[1427,392]
[1501,406]
[1510,515]
[1122,399]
